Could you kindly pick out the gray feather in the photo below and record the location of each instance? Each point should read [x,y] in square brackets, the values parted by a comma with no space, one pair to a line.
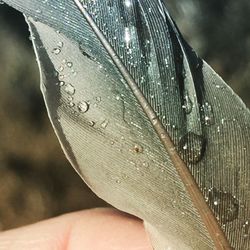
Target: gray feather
[95,113]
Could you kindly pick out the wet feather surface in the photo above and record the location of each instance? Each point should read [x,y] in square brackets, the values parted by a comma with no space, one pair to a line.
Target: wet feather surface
[95,113]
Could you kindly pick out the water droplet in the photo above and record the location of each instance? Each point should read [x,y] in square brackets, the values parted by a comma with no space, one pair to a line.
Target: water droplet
[118,181]
[83,107]
[98,99]
[69,64]
[70,89]
[192,147]
[91,123]
[188,105]
[56,51]
[127,37]
[61,68]
[207,114]
[71,104]
[224,205]
[60,44]
[128,3]
[218,129]
[104,124]
[61,83]
[70,98]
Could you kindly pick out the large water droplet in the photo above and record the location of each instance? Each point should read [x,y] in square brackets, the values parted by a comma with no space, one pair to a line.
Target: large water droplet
[224,205]
[192,147]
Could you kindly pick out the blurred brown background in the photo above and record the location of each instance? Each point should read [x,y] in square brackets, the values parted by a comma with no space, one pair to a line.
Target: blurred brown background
[36,181]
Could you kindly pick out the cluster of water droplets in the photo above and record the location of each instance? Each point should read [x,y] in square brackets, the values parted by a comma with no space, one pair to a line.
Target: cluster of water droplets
[65,71]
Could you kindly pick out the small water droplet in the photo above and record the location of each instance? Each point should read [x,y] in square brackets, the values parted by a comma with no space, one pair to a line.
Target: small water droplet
[69,64]
[128,3]
[61,68]
[216,203]
[70,89]
[192,147]
[83,107]
[127,37]
[71,104]
[98,99]
[60,44]
[56,51]
[174,126]
[91,123]
[104,124]
[224,205]
[188,105]
[70,98]
[118,181]
[61,83]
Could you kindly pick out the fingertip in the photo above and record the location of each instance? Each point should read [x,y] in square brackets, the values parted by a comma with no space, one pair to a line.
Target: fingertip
[109,229]
[95,229]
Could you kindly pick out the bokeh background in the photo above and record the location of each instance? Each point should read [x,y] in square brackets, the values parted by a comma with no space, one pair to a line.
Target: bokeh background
[36,181]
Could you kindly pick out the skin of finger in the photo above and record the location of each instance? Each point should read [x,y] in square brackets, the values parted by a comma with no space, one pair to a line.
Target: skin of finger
[95,229]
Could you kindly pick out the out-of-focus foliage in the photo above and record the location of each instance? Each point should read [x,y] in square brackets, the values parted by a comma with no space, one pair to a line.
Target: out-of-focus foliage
[36,181]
